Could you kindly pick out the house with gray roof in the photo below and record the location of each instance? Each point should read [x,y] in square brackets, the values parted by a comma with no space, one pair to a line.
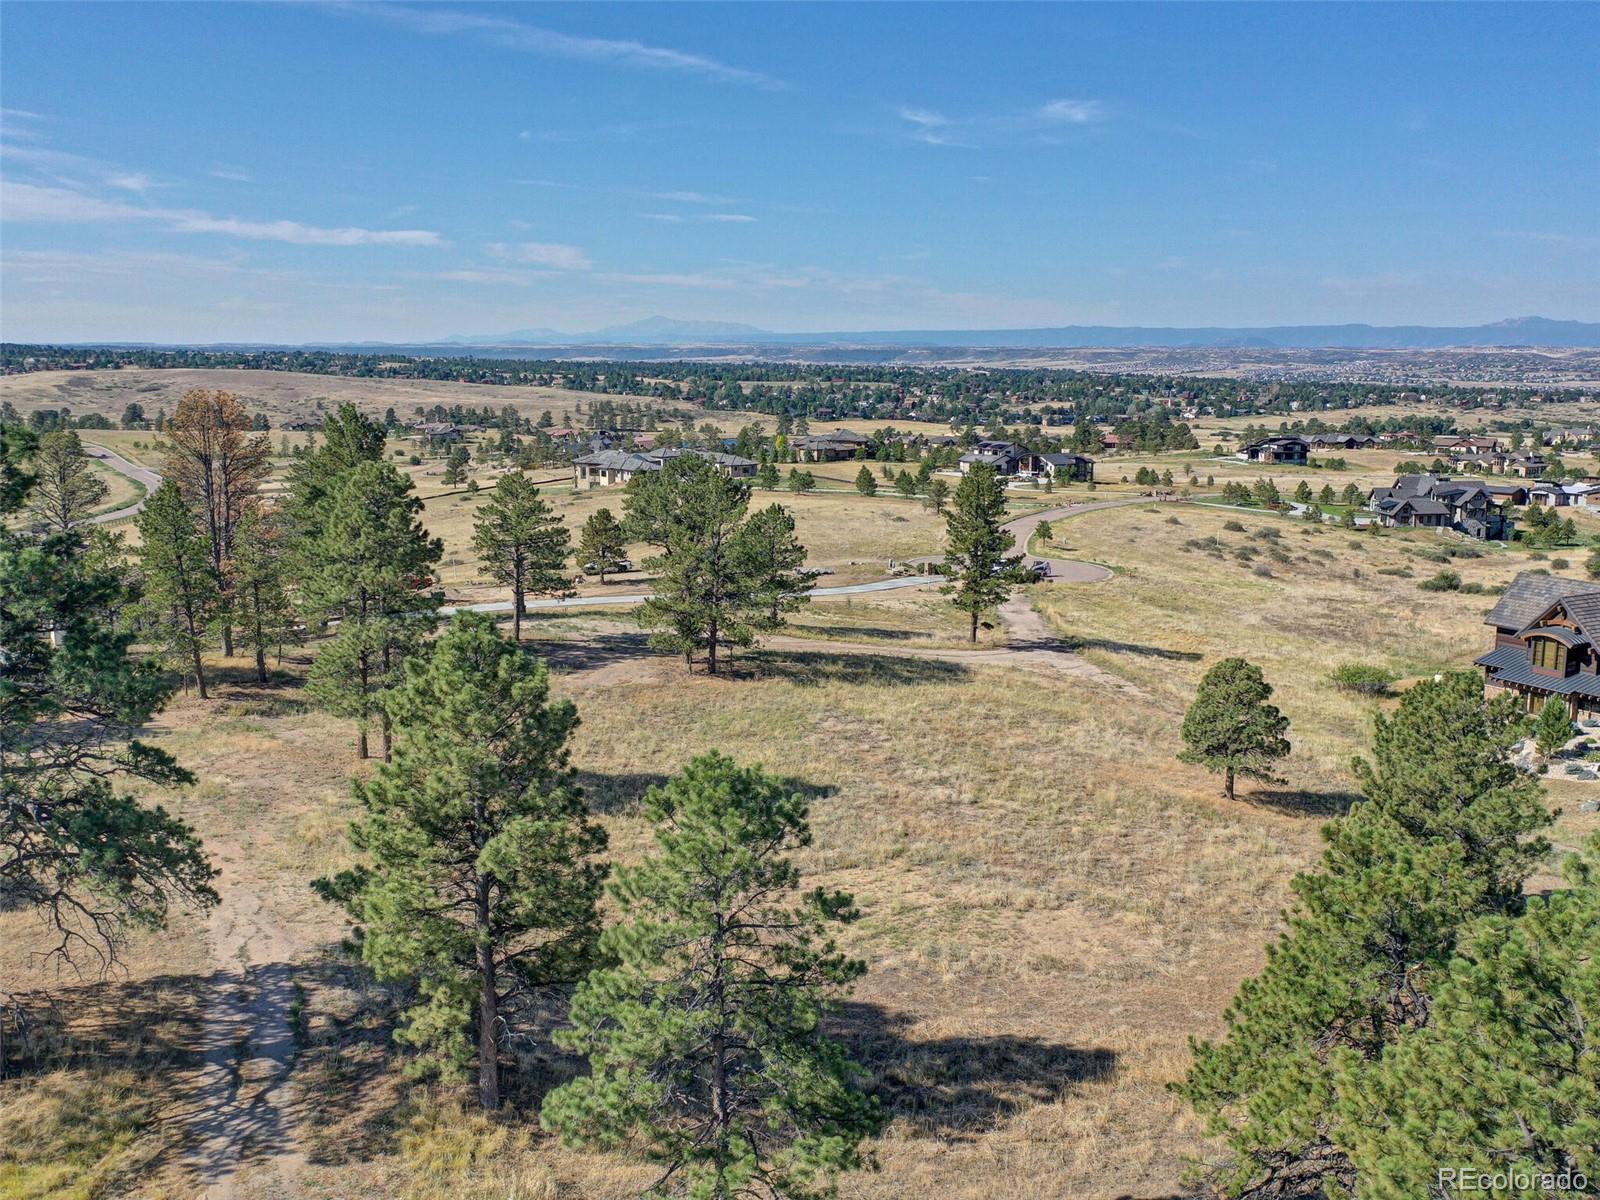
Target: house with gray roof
[1546,643]
[605,468]
[831,447]
[1286,451]
[1439,502]
[1005,457]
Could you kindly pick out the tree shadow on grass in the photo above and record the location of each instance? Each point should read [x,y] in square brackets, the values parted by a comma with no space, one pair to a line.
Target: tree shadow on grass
[1115,647]
[815,668]
[590,654]
[862,633]
[1304,803]
[959,1087]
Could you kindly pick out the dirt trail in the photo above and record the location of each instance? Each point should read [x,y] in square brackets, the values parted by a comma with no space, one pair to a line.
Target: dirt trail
[242,1140]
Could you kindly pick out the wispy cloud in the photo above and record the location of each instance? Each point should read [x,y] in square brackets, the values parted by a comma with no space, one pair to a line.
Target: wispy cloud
[21,125]
[534,39]
[131,181]
[556,255]
[729,218]
[1072,112]
[1043,124]
[231,174]
[668,218]
[26,202]
[690,197]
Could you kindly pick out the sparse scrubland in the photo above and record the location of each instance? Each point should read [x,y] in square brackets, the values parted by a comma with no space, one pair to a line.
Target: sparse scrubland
[1050,903]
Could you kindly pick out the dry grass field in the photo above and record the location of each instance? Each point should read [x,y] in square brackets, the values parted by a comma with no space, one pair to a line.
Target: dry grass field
[1052,903]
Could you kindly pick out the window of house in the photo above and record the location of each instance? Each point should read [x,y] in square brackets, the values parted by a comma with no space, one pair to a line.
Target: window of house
[1549,654]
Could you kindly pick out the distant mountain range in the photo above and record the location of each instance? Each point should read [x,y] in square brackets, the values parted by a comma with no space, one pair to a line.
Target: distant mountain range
[663,331]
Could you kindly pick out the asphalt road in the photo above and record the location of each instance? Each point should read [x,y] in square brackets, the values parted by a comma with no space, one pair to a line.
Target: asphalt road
[121,465]
[850,589]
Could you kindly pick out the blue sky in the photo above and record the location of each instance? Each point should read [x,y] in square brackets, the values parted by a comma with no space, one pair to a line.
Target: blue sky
[341,171]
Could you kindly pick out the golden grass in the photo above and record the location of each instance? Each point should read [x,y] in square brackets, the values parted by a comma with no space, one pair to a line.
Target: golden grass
[1052,904]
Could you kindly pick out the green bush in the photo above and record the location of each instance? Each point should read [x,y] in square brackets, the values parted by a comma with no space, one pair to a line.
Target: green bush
[1364,679]
[1444,581]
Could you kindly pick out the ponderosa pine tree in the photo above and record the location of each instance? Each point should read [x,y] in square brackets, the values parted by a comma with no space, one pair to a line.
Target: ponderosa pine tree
[481,875]
[349,439]
[703,1038]
[977,561]
[219,466]
[1231,727]
[865,483]
[522,542]
[1505,1077]
[373,565]
[703,597]
[261,601]
[90,862]
[602,543]
[65,489]
[181,596]
[1447,834]
[771,558]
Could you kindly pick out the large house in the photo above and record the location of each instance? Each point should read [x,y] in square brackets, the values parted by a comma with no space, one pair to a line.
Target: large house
[831,447]
[1004,457]
[605,468]
[1342,441]
[1439,502]
[1064,468]
[1547,643]
[1463,441]
[1287,451]
[1564,495]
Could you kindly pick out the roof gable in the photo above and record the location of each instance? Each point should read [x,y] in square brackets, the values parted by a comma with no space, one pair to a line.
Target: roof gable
[1532,594]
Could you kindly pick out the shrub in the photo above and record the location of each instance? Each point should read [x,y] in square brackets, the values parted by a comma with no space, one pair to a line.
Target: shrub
[1444,581]
[1559,564]
[1364,679]
[1233,527]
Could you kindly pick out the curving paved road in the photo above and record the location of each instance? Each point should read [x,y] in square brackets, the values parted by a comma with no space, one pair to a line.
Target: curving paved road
[850,589]
[1066,570]
[133,471]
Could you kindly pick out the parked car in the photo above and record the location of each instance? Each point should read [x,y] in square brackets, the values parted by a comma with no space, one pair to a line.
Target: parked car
[622,564]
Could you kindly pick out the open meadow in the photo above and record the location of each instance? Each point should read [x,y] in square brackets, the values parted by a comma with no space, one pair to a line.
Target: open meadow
[1052,904]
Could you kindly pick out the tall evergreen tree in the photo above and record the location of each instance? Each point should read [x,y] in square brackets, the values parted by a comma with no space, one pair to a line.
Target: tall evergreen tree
[703,596]
[482,877]
[1231,726]
[703,1039]
[865,483]
[261,602]
[66,489]
[181,594]
[219,467]
[373,572]
[90,862]
[1448,833]
[602,543]
[771,557]
[1505,1077]
[349,439]
[522,542]
[981,573]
